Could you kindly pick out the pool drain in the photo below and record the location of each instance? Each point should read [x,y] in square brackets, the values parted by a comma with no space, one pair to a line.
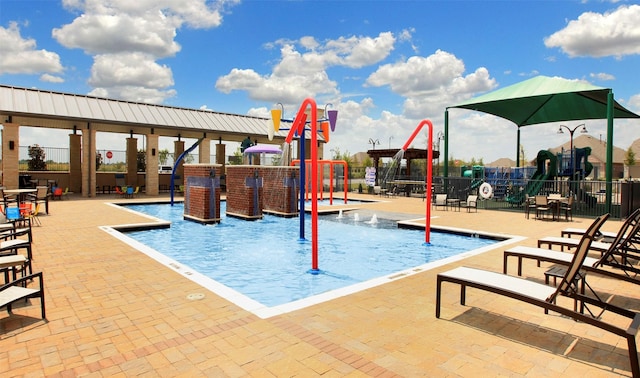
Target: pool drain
[195,296]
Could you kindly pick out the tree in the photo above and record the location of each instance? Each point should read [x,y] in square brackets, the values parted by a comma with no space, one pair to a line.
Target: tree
[141,161]
[630,158]
[163,156]
[37,158]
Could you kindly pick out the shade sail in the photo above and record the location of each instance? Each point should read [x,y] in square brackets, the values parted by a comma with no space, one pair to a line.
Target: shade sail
[545,99]
[263,148]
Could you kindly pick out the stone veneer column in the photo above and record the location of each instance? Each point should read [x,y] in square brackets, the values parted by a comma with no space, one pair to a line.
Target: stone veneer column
[75,163]
[89,162]
[152,179]
[132,161]
[204,151]
[10,157]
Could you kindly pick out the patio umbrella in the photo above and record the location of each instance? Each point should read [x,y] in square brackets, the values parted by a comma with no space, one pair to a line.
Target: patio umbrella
[545,99]
[263,149]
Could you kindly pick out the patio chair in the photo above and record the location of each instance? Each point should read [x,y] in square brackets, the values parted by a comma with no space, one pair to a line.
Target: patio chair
[529,205]
[18,290]
[441,200]
[470,203]
[566,207]
[541,295]
[542,206]
[616,256]
[120,192]
[57,193]
[41,196]
[7,200]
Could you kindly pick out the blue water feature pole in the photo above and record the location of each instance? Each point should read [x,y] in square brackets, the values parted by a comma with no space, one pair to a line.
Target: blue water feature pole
[175,165]
[303,181]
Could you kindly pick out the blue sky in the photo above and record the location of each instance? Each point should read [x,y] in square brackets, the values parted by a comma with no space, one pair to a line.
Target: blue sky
[385,65]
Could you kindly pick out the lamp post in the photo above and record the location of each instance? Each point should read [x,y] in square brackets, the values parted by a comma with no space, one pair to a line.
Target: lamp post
[391,137]
[374,142]
[571,131]
[439,137]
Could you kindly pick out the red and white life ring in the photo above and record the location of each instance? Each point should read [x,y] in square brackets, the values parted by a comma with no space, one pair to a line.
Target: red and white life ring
[486,191]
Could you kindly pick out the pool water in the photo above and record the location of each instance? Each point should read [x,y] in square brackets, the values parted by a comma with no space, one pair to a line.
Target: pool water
[266,261]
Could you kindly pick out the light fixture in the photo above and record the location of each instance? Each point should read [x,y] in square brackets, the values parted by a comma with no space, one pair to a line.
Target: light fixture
[12,145]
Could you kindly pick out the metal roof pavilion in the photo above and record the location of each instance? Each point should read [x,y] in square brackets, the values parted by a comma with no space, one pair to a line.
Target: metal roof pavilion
[40,108]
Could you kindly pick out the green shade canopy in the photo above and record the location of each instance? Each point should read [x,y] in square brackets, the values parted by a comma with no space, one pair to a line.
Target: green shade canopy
[545,99]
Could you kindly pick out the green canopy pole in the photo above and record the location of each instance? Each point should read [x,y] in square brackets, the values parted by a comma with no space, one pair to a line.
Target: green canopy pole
[445,171]
[518,148]
[609,167]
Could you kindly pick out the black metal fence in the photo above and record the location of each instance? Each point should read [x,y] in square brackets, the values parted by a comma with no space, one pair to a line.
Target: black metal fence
[589,196]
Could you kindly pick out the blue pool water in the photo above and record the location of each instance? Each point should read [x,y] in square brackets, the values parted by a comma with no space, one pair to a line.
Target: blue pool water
[266,261]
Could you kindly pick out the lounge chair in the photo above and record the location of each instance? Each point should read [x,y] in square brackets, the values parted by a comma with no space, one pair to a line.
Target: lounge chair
[17,290]
[607,235]
[614,257]
[545,296]
[626,231]
[11,243]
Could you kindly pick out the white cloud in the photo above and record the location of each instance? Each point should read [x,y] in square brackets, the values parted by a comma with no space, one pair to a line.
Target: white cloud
[127,37]
[431,83]
[602,76]
[51,78]
[301,74]
[615,33]
[19,55]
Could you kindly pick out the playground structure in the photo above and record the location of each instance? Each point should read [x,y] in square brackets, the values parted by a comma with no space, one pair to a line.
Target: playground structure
[557,173]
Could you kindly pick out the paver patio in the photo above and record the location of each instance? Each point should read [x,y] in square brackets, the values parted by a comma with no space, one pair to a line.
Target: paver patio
[113,311]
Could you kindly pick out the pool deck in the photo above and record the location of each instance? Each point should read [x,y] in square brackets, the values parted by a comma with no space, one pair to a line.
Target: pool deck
[113,311]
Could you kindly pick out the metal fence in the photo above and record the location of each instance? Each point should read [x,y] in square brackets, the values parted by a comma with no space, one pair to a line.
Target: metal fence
[57,159]
[589,196]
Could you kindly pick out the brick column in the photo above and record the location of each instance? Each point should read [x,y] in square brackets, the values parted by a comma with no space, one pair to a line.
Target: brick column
[202,193]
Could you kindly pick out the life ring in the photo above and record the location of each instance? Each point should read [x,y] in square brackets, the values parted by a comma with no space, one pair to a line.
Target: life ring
[486,191]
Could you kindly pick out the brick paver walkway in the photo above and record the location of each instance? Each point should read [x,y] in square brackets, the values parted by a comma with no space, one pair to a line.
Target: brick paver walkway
[113,311]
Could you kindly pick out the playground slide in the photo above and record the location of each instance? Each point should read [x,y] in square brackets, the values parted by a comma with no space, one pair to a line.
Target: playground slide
[539,177]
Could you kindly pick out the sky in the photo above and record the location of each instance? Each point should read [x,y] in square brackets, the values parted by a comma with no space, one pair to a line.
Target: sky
[384,65]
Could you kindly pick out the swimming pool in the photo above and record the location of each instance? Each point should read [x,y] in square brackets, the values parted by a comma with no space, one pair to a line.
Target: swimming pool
[266,266]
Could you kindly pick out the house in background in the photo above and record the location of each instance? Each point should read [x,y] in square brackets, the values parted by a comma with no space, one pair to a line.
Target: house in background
[598,156]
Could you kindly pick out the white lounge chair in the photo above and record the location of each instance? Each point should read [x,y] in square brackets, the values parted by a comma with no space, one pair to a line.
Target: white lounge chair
[544,296]
[17,290]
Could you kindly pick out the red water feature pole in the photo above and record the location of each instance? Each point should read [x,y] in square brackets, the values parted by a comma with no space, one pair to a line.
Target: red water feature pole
[427,194]
[299,122]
